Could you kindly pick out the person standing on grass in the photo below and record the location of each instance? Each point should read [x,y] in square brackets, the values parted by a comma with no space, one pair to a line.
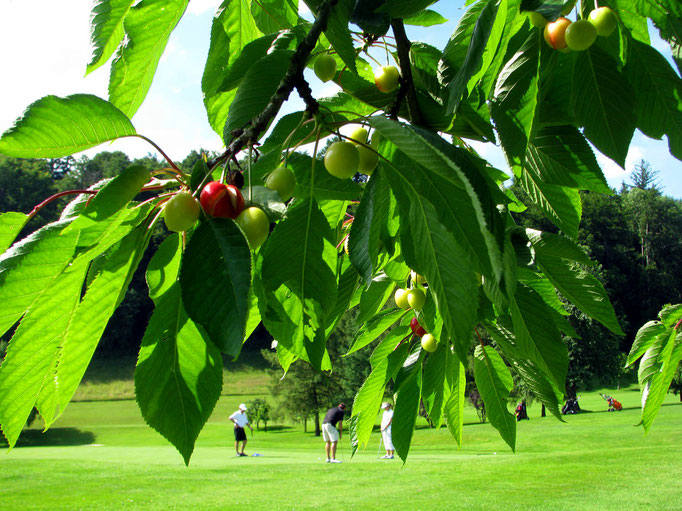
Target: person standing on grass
[331,433]
[386,421]
[240,420]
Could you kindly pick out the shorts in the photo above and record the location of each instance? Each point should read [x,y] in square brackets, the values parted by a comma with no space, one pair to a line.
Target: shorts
[388,441]
[239,434]
[329,433]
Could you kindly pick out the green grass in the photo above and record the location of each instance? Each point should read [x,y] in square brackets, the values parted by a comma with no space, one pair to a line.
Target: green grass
[100,455]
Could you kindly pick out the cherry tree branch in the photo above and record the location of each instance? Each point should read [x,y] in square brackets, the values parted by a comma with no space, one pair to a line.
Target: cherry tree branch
[292,79]
[407,89]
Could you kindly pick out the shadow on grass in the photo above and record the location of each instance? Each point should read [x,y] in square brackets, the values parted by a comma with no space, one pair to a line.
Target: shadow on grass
[52,437]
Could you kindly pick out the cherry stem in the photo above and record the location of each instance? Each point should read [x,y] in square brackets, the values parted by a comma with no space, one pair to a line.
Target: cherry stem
[479,337]
[678,324]
[165,156]
[56,196]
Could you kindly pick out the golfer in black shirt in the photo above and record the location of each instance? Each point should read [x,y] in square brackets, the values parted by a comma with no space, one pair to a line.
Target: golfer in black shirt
[330,433]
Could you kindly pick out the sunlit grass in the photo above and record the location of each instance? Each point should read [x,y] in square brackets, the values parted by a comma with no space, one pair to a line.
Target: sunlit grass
[100,455]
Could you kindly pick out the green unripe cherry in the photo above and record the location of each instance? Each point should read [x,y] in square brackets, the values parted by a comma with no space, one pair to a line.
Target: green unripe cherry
[604,20]
[283,181]
[342,160]
[429,343]
[325,67]
[580,35]
[537,19]
[181,212]
[416,298]
[256,226]
[401,298]
[368,157]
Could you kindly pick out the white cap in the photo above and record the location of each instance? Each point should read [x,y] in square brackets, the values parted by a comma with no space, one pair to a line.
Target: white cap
[385,406]
[242,407]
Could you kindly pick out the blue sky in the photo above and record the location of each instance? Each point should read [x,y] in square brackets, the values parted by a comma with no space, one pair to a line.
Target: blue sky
[50,58]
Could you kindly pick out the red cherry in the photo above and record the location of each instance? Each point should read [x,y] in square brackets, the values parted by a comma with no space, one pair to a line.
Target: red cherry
[417,329]
[222,201]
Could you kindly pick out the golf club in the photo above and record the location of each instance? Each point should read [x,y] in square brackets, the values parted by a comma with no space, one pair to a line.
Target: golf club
[381,439]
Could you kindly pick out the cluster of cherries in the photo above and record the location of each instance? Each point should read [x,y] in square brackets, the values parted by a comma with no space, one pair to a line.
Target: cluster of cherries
[566,35]
[220,200]
[414,299]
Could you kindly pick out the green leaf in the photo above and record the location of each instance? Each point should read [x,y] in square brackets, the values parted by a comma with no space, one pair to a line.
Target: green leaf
[439,178]
[455,380]
[348,280]
[282,315]
[339,35]
[375,297]
[535,378]
[98,237]
[516,98]
[537,338]
[375,327]
[670,314]
[115,195]
[179,372]
[657,383]
[582,289]
[406,410]
[560,204]
[389,344]
[30,267]
[53,127]
[425,18]
[326,186]
[433,381]
[482,47]
[148,26]
[557,246]
[275,15]
[456,49]
[107,29]
[259,85]
[218,252]
[28,368]
[366,404]
[494,382]
[11,224]
[405,8]
[645,337]
[301,254]
[432,251]
[560,155]
[92,315]
[659,95]
[603,102]
[371,214]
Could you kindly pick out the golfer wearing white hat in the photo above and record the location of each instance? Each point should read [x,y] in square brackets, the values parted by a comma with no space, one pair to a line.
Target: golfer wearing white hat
[240,420]
[386,420]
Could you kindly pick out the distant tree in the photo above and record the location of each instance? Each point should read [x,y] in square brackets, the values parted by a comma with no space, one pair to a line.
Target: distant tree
[595,357]
[676,385]
[644,177]
[25,183]
[259,410]
[304,393]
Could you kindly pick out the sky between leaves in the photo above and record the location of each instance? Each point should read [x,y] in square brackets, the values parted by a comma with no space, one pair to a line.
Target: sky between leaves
[45,49]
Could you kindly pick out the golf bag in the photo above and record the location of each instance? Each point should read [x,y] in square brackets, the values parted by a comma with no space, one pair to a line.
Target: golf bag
[571,407]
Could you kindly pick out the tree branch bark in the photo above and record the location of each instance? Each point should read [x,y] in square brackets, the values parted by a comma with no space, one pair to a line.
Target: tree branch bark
[410,92]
